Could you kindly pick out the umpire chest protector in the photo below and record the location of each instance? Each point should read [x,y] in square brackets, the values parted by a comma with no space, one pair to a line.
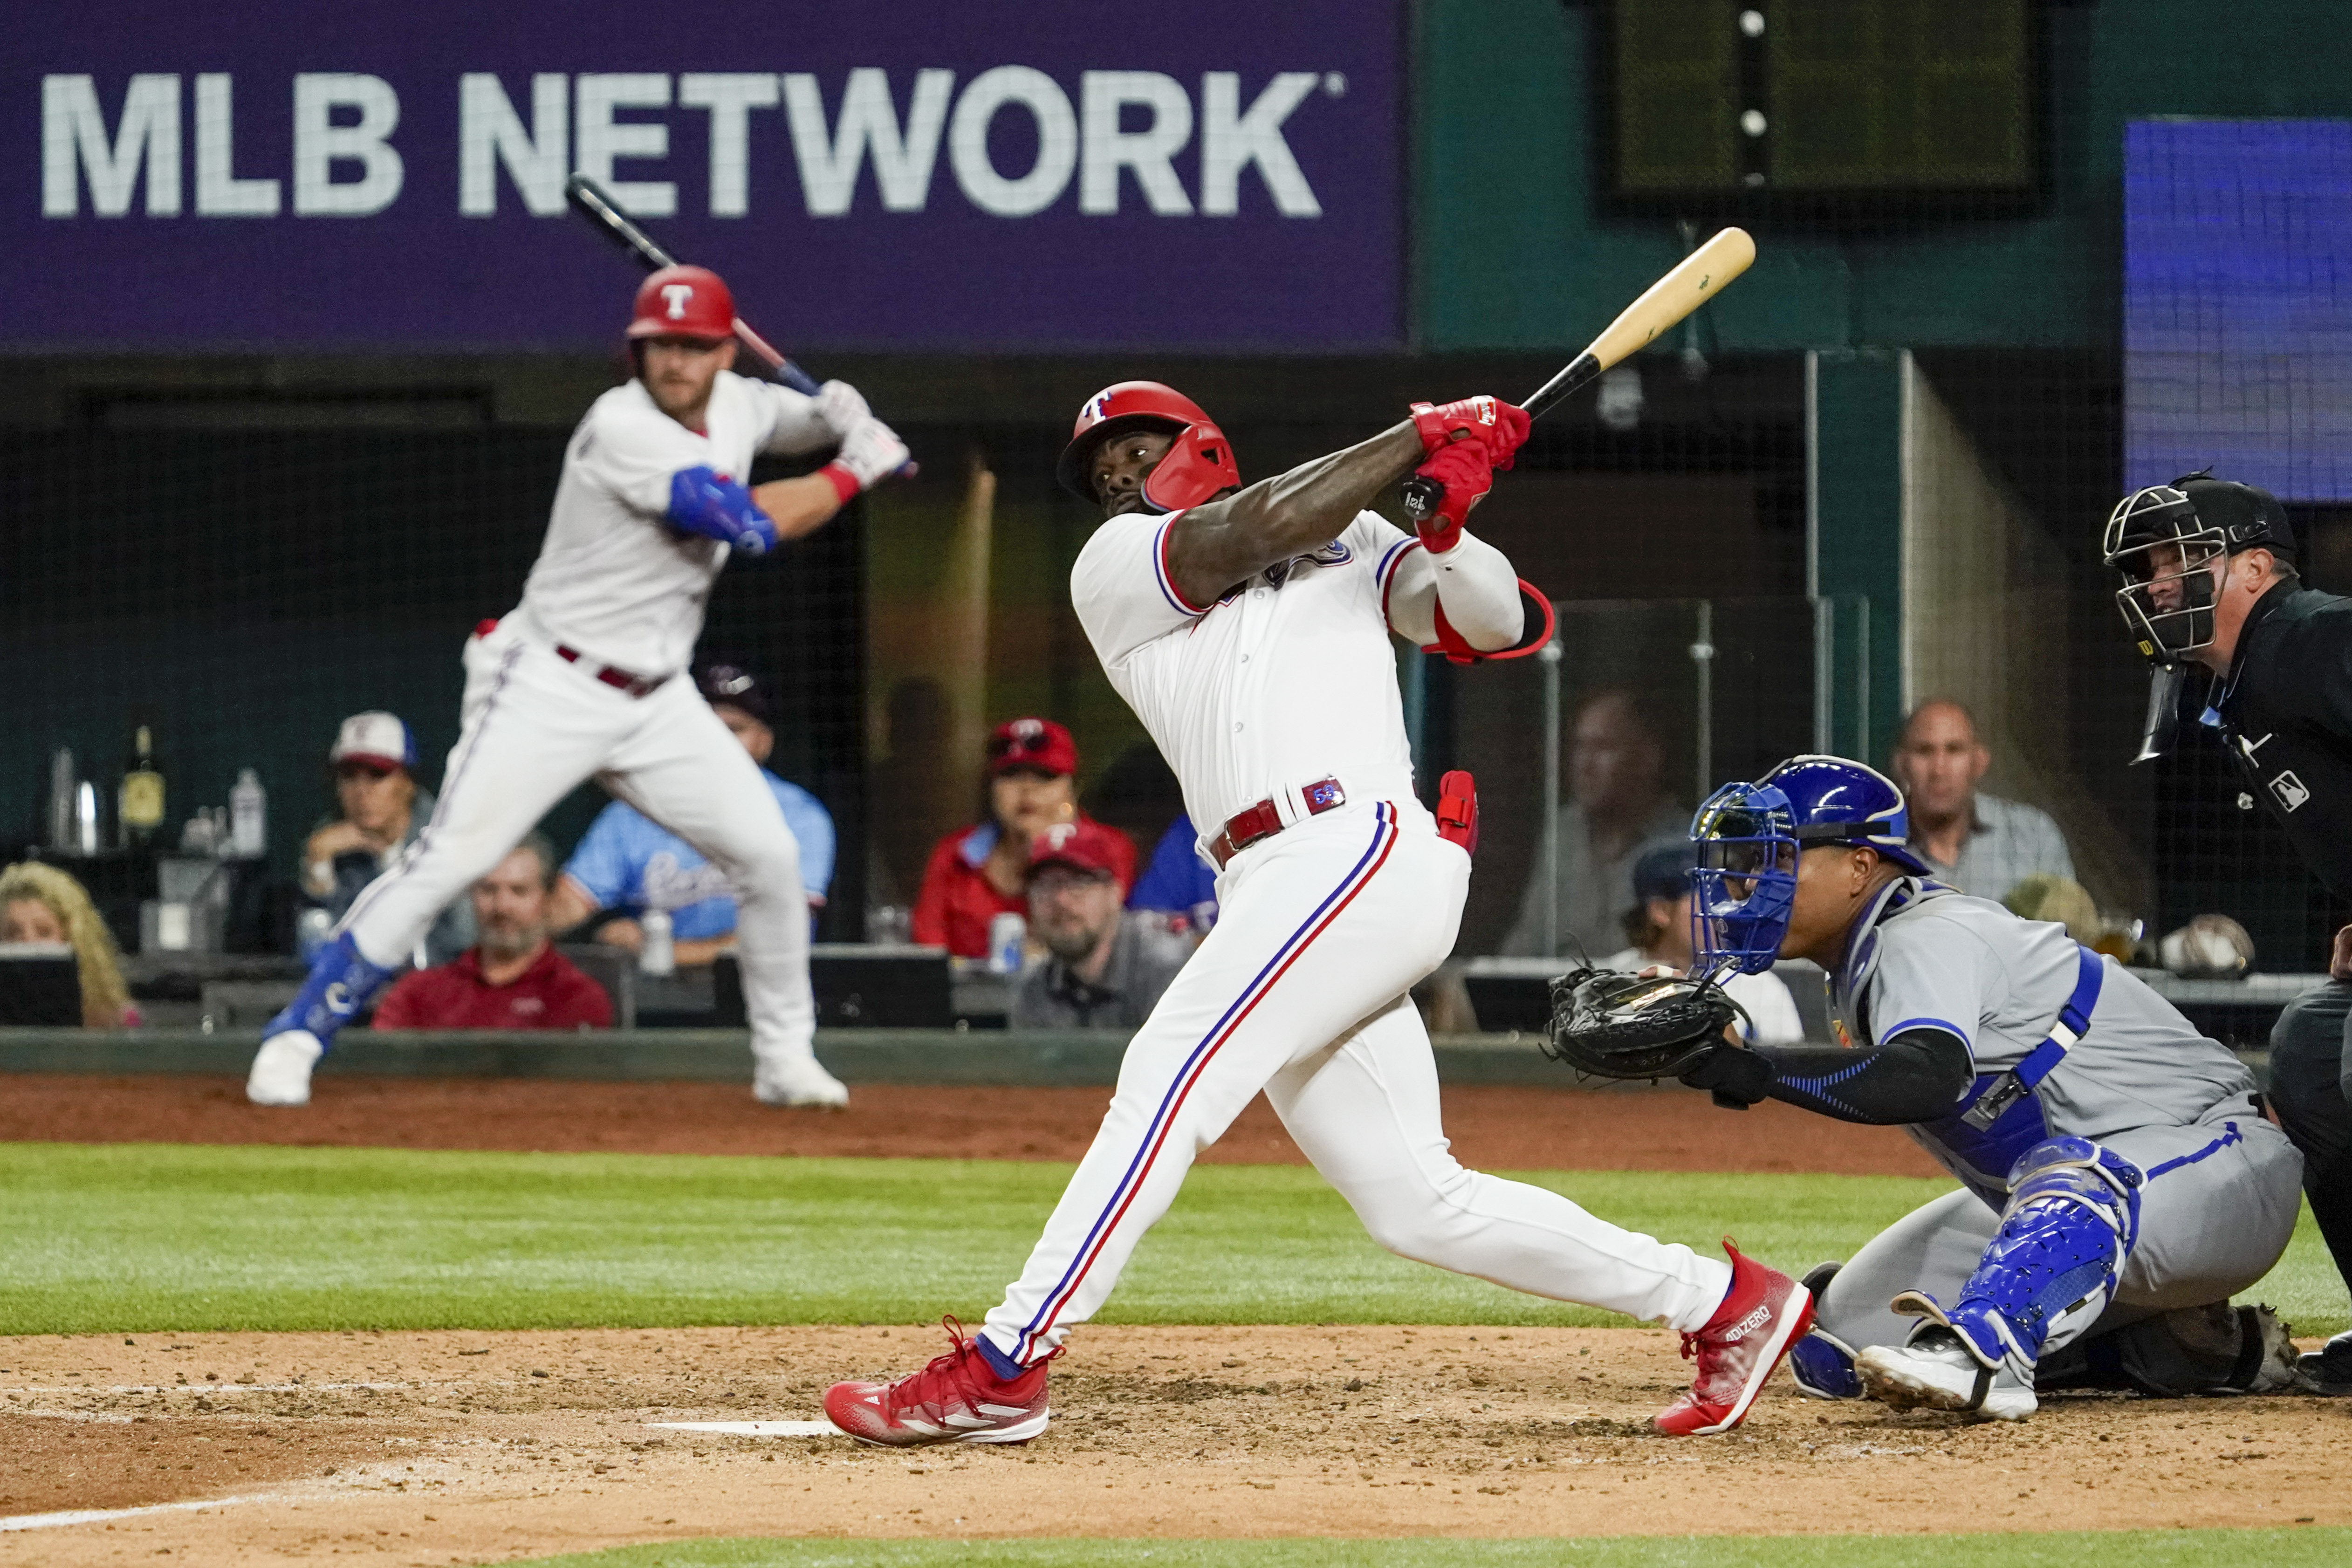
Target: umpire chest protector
[2284,713]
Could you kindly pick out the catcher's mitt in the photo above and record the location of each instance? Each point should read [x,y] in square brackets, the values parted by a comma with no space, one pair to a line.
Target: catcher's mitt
[1610,1024]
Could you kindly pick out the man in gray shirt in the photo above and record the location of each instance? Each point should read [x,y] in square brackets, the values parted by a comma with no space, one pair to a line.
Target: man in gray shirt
[1104,968]
[1979,843]
[1618,804]
[2116,1166]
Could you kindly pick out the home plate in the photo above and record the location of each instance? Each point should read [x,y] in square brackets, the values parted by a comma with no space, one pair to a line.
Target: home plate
[757,1429]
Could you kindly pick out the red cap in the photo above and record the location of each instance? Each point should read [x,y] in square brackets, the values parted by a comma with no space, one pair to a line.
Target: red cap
[684,302]
[1081,845]
[1037,743]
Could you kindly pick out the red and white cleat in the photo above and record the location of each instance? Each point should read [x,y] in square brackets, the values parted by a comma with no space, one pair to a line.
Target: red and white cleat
[958,1398]
[1763,1313]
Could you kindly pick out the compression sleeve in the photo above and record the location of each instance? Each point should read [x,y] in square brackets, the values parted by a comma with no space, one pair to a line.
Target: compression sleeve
[1474,580]
[707,502]
[1918,1076]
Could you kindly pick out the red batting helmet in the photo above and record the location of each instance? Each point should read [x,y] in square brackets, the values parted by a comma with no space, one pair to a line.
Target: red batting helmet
[1196,468]
[684,302]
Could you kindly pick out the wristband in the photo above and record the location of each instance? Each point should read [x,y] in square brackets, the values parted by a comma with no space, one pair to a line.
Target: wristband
[845,484]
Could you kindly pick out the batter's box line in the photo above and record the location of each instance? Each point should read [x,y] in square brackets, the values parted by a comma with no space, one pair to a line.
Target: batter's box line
[755,1429]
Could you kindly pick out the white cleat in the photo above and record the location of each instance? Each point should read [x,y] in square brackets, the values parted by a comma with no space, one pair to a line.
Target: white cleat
[1937,1372]
[282,1068]
[801,1085]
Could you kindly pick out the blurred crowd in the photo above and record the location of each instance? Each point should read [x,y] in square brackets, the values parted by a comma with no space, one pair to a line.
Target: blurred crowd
[1088,927]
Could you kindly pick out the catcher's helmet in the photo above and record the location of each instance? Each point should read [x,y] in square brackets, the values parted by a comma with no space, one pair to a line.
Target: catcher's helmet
[1749,835]
[2164,540]
[1197,468]
[683,302]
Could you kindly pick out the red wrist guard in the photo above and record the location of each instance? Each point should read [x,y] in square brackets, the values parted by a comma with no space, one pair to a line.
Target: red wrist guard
[845,484]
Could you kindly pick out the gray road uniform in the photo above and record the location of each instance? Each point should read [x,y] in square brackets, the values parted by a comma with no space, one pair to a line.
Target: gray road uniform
[2173,1115]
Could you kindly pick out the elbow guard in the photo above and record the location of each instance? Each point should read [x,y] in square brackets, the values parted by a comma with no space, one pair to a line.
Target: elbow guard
[1458,649]
[704,501]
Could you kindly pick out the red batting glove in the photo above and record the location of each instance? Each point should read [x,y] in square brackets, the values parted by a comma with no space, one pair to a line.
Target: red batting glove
[1496,425]
[1463,471]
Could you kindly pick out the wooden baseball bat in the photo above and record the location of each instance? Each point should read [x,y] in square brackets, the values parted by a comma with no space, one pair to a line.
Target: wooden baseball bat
[594,203]
[1696,280]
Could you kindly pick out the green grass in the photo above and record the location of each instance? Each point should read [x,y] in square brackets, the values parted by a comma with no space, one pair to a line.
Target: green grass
[2291,1547]
[126,1238]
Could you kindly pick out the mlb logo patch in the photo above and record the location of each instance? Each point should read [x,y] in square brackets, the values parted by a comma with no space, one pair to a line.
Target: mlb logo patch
[2291,790]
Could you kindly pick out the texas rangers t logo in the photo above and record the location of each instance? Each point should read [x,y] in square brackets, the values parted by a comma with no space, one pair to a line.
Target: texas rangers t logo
[677,293]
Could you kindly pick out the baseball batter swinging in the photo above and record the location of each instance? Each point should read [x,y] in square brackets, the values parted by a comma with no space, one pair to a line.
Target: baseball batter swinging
[580,679]
[1249,630]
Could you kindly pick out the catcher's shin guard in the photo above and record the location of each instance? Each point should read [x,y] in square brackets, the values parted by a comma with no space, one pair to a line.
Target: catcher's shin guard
[2072,1221]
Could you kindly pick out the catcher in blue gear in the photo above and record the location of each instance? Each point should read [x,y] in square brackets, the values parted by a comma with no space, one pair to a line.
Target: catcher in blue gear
[2119,1177]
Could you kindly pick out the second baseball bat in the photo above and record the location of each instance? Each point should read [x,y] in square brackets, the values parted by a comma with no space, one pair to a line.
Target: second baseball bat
[595,204]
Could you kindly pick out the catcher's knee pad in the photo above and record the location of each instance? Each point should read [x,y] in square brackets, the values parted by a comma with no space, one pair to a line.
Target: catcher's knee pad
[1824,1366]
[2072,1220]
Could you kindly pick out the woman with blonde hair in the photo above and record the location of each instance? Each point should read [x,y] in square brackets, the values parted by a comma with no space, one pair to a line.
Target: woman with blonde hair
[41,903]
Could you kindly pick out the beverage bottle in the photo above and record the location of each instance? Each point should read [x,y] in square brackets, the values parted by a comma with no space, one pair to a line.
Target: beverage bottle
[248,817]
[140,804]
[61,798]
[1008,941]
[655,954]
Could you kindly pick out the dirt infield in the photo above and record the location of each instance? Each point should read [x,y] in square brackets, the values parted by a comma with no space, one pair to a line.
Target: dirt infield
[1494,1127]
[439,1447]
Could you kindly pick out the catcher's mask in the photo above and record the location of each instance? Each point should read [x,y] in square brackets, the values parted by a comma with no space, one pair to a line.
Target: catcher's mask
[1744,883]
[2168,540]
[1749,836]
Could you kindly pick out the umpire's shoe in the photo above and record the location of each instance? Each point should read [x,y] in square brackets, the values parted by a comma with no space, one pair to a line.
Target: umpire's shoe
[958,1398]
[2330,1366]
[1763,1313]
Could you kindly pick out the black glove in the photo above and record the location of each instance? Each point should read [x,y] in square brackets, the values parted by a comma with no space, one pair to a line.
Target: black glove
[1738,1078]
[1610,1025]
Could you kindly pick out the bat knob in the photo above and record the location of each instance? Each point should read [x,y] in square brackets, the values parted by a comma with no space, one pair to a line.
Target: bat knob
[1421,497]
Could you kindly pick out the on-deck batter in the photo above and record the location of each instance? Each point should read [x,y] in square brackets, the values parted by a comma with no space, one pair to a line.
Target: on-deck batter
[580,679]
[1250,633]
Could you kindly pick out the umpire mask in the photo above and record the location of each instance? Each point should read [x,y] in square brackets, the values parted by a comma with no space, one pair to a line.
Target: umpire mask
[2169,541]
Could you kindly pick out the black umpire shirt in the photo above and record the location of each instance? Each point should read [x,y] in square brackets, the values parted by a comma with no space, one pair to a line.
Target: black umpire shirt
[2285,715]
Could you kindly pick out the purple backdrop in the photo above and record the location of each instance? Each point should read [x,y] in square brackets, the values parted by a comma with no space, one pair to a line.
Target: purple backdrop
[222,177]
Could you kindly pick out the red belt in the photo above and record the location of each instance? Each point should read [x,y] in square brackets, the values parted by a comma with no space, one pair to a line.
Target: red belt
[1262,820]
[620,680]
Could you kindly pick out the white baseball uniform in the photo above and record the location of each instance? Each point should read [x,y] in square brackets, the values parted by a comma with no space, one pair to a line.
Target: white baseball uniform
[1299,989]
[620,588]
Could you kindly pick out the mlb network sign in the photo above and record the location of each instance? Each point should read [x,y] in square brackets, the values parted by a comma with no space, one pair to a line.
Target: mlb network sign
[934,177]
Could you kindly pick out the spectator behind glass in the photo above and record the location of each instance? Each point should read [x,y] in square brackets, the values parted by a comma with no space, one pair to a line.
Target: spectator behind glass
[1617,803]
[1177,885]
[1976,843]
[1659,926]
[41,903]
[380,809]
[513,978]
[628,862]
[1104,968]
[978,872]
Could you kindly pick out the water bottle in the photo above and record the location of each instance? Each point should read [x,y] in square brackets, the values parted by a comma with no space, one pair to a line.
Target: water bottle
[1008,939]
[249,815]
[656,956]
[312,929]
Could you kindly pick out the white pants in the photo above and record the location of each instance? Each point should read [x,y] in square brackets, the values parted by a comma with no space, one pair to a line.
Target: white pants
[534,726]
[1300,990]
